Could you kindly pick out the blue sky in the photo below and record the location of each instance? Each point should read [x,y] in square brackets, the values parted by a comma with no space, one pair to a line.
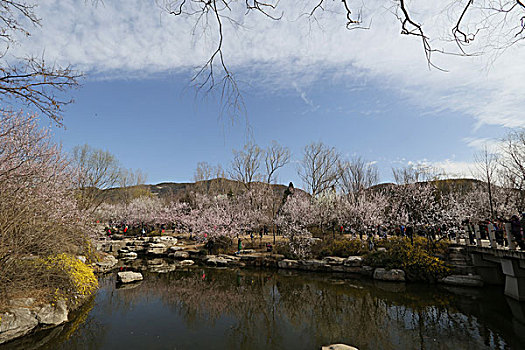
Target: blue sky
[368,93]
[159,126]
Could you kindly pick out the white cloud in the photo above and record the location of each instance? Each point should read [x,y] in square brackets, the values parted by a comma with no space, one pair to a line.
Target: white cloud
[133,38]
[493,145]
[455,169]
[447,168]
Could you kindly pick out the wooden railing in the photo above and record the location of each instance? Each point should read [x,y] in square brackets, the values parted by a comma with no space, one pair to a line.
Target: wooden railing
[472,236]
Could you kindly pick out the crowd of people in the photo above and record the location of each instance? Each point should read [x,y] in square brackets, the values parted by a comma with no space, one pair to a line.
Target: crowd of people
[502,232]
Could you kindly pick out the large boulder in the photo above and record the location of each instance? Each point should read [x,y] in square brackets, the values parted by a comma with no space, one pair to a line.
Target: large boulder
[394,275]
[187,262]
[128,255]
[333,260]
[353,261]
[464,280]
[129,276]
[213,260]
[16,322]
[175,248]
[156,249]
[180,255]
[156,262]
[53,314]
[314,265]
[288,264]
[107,263]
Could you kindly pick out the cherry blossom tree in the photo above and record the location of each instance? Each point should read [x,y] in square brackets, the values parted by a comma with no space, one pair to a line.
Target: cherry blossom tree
[294,219]
[39,214]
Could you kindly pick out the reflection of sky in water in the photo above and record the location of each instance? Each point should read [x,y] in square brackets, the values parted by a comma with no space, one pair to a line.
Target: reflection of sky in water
[252,309]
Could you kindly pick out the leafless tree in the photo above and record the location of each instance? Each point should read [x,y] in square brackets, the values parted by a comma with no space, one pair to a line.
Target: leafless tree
[246,164]
[98,170]
[30,81]
[414,173]
[203,172]
[131,183]
[513,163]
[356,175]
[318,168]
[275,157]
[202,175]
[486,164]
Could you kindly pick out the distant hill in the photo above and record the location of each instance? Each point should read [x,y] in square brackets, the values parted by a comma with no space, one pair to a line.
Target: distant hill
[180,191]
[175,190]
[445,184]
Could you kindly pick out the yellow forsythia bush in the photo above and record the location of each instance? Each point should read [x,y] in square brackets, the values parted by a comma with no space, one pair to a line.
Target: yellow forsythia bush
[418,260]
[80,277]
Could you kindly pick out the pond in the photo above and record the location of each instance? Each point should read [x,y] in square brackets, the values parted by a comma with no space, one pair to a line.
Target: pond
[200,308]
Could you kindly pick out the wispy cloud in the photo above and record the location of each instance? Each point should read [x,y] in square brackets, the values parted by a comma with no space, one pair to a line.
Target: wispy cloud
[129,39]
[492,144]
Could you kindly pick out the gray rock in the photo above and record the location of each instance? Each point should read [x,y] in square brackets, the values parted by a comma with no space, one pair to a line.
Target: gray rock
[333,260]
[175,248]
[180,255]
[353,261]
[187,262]
[107,263]
[53,314]
[129,276]
[217,261]
[129,255]
[156,249]
[156,262]
[288,264]
[229,257]
[314,265]
[165,239]
[394,275]
[464,280]
[339,347]
[246,251]
[15,323]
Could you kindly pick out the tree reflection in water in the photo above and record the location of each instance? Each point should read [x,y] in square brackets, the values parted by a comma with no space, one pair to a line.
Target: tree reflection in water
[264,309]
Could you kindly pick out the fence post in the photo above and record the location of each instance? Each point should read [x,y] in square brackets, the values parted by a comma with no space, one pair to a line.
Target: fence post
[468,231]
[508,231]
[492,236]
[478,235]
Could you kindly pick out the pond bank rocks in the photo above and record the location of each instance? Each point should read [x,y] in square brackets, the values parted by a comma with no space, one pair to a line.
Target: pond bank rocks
[24,316]
[223,260]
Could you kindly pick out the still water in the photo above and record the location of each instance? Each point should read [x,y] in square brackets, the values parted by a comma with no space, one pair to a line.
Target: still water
[196,308]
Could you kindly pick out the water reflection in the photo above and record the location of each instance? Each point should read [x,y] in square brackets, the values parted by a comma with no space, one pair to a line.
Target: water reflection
[195,308]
